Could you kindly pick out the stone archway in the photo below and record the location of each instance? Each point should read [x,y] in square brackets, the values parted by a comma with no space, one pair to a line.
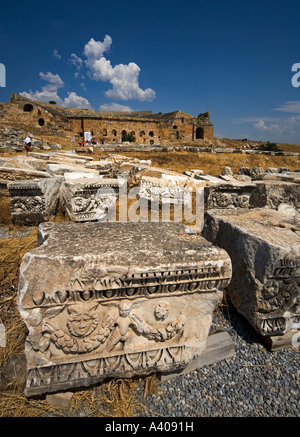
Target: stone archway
[28,107]
[199,133]
[124,135]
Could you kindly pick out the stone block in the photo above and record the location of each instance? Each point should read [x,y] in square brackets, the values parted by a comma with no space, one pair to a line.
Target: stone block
[90,199]
[264,247]
[105,300]
[9,174]
[61,169]
[103,167]
[168,189]
[34,201]
[233,194]
[272,193]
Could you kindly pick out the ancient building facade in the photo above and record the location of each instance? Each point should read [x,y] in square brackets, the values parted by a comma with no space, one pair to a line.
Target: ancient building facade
[108,127]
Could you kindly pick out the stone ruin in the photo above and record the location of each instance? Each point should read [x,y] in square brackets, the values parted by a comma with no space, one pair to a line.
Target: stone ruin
[116,307]
[123,299]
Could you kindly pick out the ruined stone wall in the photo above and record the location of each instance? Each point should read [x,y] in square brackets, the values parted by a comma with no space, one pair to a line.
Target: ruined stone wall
[110,130]
[180,127]
[33,117]
[47,119]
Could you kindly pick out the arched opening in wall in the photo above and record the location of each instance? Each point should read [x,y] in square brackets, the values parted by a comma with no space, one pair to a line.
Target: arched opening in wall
[151,133]
[124,135]
[28,107]
[41,122]
[114,132]
[174,127]
[142,133]
[199,133]
[105,132]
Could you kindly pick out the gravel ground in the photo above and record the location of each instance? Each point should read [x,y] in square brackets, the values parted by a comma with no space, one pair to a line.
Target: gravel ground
[254,383]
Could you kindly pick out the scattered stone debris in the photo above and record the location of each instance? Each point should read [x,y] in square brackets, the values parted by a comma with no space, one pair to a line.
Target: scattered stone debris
[121,299]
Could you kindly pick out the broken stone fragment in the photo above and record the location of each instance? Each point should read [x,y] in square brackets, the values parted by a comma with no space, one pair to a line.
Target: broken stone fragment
[233,194]
[264,247]
[61,169]
[105,300]
[90,198]
[272,193]
[34,201]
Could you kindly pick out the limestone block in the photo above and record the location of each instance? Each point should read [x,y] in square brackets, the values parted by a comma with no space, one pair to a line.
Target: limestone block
[264,247]
[169,189]
[103,167]
[72,156]
[272,193]
[89,199]
[8,174]
[105,300]
[61,169]
[256,171]
[232,194]
[34,201]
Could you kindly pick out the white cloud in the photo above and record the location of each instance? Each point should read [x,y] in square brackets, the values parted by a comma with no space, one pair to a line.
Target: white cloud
[56,54]
[261,124]
[54,81]
[75,60]
[95,49]
[115,107]
[75,101]
[291,106]
[49,92]
[123,78]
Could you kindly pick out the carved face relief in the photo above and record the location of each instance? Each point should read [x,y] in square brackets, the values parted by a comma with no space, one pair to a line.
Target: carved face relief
[162,310]
[125,308]
[82,321]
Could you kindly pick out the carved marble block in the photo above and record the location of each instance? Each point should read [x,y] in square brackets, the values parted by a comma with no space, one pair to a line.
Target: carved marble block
[272,193]
[264,247]
[34,201]
[116,300]
[228,195]
[90,199]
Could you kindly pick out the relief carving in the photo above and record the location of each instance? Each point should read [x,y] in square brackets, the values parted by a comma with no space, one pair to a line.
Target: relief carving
[23,204]
[279,299]
[86,327]
[228,200]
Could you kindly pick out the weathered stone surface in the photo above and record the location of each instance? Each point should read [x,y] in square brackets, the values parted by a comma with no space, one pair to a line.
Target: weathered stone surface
[103,167]
[264,247]
[115,300]
[34,201]
[89,199]
[272,193]
[8,174]
[61,169]
[229,195]
[168,189]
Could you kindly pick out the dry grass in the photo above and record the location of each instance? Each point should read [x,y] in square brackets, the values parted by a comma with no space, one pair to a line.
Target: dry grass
[11,253]
[115,398]
[211,163]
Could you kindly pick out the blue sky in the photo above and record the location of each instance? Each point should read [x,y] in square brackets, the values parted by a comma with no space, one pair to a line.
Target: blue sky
[233,58]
